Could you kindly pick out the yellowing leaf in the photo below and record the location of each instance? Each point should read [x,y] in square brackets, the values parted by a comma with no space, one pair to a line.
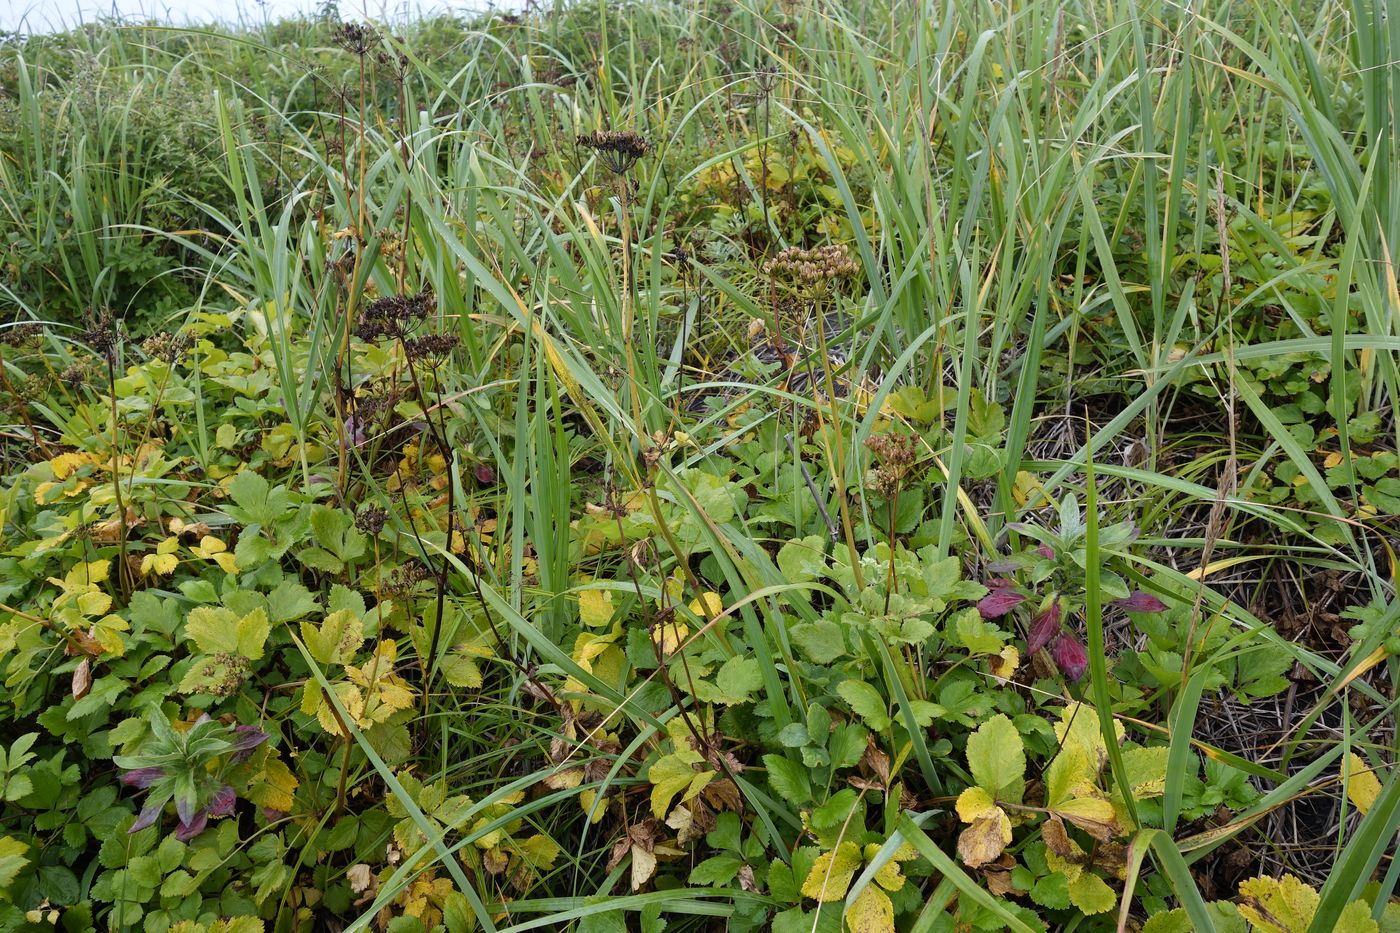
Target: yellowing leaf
[336,639]
[672,774]
[985,839]
[595,607]
[974,802]
[12,860]
[539,850]
[274,786]
[891,875]
[162,564]
[90,573]
[216,630]
[209,546]
[64,464]
[1278,905]
[1094,815]
[1079,728]
[832,872]
[997,759]
[707,606]
[872,912]
[669,636]
[1362,785]
[1005,664]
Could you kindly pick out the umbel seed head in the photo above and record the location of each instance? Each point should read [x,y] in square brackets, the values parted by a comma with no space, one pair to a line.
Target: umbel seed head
[619,150]
[811,266]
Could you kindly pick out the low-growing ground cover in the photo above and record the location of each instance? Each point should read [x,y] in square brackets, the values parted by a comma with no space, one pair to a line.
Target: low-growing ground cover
[647,466]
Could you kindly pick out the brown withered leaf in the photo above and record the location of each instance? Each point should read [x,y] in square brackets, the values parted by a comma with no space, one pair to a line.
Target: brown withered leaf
[82,679]
[1111,856]
[109,532]
[876,762]
[618,852]
[999,883]
[494,860]
[81,641]
[1056,839]
[722,794]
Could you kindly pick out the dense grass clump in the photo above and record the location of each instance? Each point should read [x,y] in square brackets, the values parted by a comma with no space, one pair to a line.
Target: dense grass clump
[796,466]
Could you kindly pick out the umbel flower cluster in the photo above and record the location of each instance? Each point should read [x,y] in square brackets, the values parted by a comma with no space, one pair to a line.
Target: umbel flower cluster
[619,150]
[812,266]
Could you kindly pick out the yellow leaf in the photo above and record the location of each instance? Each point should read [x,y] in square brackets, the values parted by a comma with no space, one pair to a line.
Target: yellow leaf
[871,913]
[1094,815]
[669,636]
[1283,905]
[832,872]
[210,545]
[595,607]
[985,839]
[226,562]
[890,876]
[64,464]
[90,573]
[1362,785]
[162,564]
[974,802]
[707,606]
[275,786]
[1005,664]
[586,800]
[168,546]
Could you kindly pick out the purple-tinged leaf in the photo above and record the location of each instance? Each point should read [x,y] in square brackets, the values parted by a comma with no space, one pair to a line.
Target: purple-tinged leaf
[221,801]
[187,831]
[1141,602]
[1069,656]
[245,740]
[141,777]
[999,602]
[1044,627]
[145,818]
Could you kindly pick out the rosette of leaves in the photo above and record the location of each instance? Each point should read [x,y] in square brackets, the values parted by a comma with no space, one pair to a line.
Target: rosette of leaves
[187,768]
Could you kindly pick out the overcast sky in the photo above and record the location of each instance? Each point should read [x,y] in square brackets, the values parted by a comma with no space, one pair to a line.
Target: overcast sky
[45,15]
